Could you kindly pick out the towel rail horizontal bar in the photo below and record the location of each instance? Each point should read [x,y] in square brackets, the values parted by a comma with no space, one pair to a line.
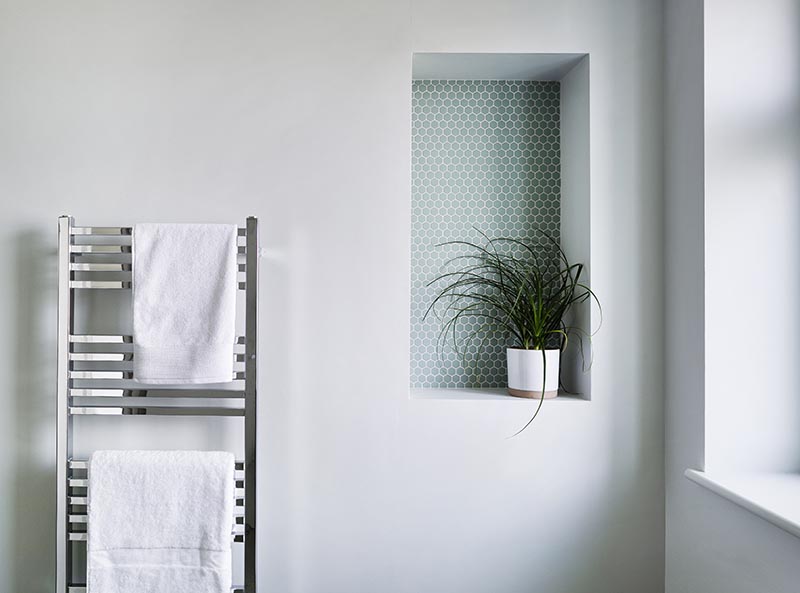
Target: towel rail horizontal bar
[100,339]
[127,393]
[120,267]
[100,356]
[232,387]
[118,249]
[115,339]
[123,363]
[83,500]
[124,230]
[101,284]
[77,511]
[82,536]
[82,589]
[84,464]
[100,375]
[116,284]
[125,375]
[81,517]
[89,392]
[238,491]
[178,403]
[104,249]
[84,483]
[152,411]
[238,476]
[101,230]
[125,359]
[100,267]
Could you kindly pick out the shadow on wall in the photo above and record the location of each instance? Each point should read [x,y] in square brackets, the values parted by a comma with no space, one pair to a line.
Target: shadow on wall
[34,337]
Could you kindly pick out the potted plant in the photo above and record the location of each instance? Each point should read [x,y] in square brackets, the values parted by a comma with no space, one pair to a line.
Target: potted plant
[523,289]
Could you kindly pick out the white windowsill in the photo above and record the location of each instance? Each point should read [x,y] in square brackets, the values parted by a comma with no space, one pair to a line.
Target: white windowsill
[485,394]
[772,496]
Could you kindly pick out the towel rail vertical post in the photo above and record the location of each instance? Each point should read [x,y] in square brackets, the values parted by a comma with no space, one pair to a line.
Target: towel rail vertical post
[63,419]
[251,366]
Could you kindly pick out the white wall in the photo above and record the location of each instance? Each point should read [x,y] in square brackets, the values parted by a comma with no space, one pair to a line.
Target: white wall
[723,181]
[118,112]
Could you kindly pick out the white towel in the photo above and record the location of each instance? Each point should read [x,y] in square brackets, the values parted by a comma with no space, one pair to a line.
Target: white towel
[160,521]
[184,302]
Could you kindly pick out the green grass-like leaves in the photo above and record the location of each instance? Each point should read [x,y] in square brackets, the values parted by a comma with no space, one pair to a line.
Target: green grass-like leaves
[523,289]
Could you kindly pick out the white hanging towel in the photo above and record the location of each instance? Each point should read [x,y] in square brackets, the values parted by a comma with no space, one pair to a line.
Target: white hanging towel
[184,302]
[160,521]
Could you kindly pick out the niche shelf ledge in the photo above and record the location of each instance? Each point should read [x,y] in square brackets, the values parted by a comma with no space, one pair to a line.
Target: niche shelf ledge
[497,394]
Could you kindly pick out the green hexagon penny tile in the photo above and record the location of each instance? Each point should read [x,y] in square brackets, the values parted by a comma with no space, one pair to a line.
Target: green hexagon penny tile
[485,155]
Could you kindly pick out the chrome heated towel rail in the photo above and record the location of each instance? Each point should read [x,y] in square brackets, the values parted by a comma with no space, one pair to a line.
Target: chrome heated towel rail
[87,386]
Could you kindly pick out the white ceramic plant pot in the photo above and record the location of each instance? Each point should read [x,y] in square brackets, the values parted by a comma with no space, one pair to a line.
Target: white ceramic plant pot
[526,372]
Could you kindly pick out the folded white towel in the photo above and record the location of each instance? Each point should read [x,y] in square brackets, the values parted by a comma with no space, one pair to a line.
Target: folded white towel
[160,521]
[184,302]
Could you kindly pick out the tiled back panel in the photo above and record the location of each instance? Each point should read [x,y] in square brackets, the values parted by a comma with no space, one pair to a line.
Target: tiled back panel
[485,154]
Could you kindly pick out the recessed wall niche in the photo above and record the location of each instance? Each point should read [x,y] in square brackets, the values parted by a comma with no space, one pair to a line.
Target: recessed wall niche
[500,145]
